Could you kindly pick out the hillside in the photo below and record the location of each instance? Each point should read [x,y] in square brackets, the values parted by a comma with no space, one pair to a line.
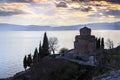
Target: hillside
[93,26]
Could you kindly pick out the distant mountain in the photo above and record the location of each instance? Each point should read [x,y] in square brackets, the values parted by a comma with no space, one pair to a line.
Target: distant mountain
[105,26]
[12,27]
[94,26]
[98,26]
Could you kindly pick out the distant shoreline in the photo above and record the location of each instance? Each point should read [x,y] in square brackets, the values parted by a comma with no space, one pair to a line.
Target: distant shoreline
[94,26]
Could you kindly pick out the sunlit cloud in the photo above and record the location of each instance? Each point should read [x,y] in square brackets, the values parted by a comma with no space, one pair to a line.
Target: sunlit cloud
[43,12]
[12,9]
[26,1]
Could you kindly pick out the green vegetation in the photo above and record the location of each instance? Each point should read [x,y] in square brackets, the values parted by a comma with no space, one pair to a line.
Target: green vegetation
[40,50]
[25,62]
[109,44]
[115,57]
[43,51]
[99,43]
[29,60]
[45,46]
[63,51]
[102,43]
[35,54]
[53,41]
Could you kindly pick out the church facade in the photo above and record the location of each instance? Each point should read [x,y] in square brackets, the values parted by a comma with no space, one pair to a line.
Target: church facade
[85,42]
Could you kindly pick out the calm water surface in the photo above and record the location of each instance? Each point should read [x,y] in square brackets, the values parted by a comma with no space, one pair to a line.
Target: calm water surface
[15,44]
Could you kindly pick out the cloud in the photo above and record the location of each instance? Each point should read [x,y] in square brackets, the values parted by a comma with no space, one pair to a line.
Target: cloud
[114,1]
[9,9]
[86,9]
[10,13]
[26,1]
[115,13]
[107,14]
[46,12]
[61,4]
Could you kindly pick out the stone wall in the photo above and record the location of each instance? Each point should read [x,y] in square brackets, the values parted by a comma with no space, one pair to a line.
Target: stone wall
[85,42]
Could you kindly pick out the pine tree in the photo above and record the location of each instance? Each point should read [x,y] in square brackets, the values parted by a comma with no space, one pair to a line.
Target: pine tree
[98,43]
[40,50]
[102,43]
[29,60]
[25,62]
[35,54]
[45,46]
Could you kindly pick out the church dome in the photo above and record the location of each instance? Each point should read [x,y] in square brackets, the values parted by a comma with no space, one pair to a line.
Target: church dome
[85,31]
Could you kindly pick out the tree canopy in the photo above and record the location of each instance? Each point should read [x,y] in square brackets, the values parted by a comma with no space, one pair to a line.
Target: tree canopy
[35,53]
[53,41]
[25,62]
[45,46]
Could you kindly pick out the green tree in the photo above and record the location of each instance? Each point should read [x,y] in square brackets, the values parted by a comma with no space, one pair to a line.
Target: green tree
[109,44]
[25,62]
[29,60]
[98,43]
[35,54]
[45,46]
[102,43]
[63,51]
[40,50]
[53,41]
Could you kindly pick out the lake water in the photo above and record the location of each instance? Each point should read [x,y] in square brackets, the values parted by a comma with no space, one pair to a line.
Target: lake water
[15,44]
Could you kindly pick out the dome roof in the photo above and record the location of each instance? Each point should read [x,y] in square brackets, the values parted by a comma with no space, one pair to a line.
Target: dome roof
[86,28]
[85,31]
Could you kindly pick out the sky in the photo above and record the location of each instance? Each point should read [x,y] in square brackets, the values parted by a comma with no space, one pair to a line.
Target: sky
[58,12]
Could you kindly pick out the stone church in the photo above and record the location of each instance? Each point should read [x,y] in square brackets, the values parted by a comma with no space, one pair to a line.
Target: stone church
[85,42]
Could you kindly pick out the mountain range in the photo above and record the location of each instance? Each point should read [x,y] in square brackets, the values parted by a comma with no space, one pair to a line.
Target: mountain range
[94,26]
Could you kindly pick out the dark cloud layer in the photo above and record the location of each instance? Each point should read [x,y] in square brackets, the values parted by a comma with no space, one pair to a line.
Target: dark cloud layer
[10,13]
[86,9]
[114,1]
[115,13]
[16,0]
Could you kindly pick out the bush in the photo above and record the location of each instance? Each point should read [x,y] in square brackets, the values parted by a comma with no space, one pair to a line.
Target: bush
[63,51]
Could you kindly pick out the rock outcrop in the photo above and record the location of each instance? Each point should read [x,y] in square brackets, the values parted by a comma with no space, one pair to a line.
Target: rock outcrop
[113,75]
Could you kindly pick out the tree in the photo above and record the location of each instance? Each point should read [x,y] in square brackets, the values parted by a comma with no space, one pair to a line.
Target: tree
[35,54]
[45,46]
[63,51]
[102,43]
[53,41]
[98,43]
[25,62]
[40,50]
[109,44]
[29,60]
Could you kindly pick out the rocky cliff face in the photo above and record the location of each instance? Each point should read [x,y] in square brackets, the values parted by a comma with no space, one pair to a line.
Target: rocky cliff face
[113,75]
